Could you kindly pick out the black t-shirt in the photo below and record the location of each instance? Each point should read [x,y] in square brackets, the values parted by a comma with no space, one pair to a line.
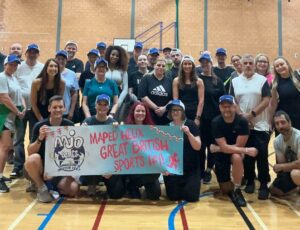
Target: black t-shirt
[134,81]
[224,74]
[198,70]
[289,100]
[212,94]
[36,132]
[230,131]
[173,72]
[132,66]
[191,157]
[93,121]
[158,91]
[86,75]
[75,65]
[2,58]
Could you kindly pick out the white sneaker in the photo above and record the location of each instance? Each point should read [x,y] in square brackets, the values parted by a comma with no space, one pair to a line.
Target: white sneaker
[44,196]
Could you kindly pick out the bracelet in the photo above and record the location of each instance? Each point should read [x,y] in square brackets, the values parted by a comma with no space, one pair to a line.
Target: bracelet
[198,117]
[39,141]
[253,113]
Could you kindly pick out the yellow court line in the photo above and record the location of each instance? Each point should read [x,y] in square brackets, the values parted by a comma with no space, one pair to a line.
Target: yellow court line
[22,215]
[288,204]
[257,217]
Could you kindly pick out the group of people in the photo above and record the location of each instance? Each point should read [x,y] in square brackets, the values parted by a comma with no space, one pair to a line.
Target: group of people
[227,114]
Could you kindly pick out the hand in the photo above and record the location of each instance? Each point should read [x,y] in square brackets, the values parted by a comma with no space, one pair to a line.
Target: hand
[185,129]
[251,151]
[115,124]
[277,168]
[44,130]
[70,115]
[160,111]
[111,116]
[166,173]
[197,122]
[248,116]
[107,176]
[214,148]
[21,115]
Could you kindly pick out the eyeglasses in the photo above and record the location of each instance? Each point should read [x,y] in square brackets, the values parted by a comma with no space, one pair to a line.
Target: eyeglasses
[176,110]
[262,61]
[248,63]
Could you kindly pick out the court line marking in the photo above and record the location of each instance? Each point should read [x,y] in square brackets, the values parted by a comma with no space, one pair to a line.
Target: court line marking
[257,217]
[288,204]
[10,185]
[178,207]
[99,215]
[51,213]
[22,215]
[243,214]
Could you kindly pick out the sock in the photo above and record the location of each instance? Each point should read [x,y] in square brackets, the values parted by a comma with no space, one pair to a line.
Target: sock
[42,188]
[237,186]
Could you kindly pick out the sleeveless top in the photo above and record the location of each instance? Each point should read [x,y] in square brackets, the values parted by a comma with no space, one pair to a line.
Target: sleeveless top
[189,96]
[43,107]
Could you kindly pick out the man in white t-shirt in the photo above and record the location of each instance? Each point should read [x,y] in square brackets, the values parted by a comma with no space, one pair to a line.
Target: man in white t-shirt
[287,150]
[252,94]
[27,71]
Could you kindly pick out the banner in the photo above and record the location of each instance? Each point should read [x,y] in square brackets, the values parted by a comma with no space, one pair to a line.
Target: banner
[108,149]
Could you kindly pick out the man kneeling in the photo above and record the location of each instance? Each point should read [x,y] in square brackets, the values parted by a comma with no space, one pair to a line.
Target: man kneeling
[231,132]
[35,162]
[287,150]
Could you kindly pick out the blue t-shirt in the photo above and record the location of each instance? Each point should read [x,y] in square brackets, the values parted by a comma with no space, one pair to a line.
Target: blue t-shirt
[71,85]
[93,88]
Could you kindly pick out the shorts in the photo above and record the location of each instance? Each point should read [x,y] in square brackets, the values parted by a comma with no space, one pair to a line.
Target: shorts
[222,167]
[284,182]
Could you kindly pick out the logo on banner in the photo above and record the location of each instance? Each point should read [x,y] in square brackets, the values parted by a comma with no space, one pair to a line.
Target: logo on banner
[69,152]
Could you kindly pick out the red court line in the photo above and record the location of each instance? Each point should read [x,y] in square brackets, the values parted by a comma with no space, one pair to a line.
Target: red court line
[183,219]
[99,215]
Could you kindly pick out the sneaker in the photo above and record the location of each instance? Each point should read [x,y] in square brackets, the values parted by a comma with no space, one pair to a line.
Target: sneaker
[16,173]
[31,187]
[250,187]
[44,196]
[206,177]
[3,186]
[91,191]
[263,193]
[6,179]
[239,198]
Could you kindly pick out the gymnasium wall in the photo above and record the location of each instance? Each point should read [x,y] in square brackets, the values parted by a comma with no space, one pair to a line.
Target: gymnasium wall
[241,26]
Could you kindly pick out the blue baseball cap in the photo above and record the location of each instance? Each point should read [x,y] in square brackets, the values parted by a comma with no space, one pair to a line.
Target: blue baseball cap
[103,97]
[221,51]
[62,53]
[175,102]
[11,59]
[100,60]
[227,98]
[205,56]
[138,45]
[101,45]
[93,51]
[33,46]
[152,51]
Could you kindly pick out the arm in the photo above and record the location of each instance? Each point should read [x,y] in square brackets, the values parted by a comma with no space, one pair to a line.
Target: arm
[62,88]
[149,103]
[115,105]
[194,141]
[175,88]
[286,167]
[39,135]
[230,149]
[85,107]
[273,103]
[124,87]
[200,101]
[33,98]
[73,104]
[6,100]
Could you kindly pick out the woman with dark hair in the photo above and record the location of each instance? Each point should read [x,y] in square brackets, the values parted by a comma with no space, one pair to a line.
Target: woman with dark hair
[262,67]
[155,90]
[214,88]
[99,85]
[187,186]
[117,60]
[139,115]
[286,91]
[47,84]
[189,89]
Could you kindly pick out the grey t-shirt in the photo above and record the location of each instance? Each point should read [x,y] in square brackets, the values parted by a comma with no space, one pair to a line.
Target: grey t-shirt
[290,148]
[10,85]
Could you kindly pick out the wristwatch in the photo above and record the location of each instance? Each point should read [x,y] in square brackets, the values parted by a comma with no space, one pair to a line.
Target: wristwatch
[253,113]
[198,117]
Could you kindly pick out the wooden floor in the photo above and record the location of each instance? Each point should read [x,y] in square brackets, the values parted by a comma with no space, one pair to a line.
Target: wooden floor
[20,210]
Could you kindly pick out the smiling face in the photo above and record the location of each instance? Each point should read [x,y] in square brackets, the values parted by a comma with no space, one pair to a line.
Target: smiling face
[16,49]
[187,66]
[10,68]
[101,69]
[56,109]
[142,61]
[176,113]
[159,68]
[71,50]
[52,69]
[102,108]
[236,62]
[262,65]
[281,67]
[139,114]
[282,125]
[62,61]
[114,57]
[248,66]
[227,110]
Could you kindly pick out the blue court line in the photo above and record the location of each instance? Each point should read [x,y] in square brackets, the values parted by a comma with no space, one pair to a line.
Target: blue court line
[178,207]
[50,214]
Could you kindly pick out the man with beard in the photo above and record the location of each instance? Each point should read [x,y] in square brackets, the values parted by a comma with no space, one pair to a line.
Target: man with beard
[176,57]
[287,150]
[74,64]
[16,49]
